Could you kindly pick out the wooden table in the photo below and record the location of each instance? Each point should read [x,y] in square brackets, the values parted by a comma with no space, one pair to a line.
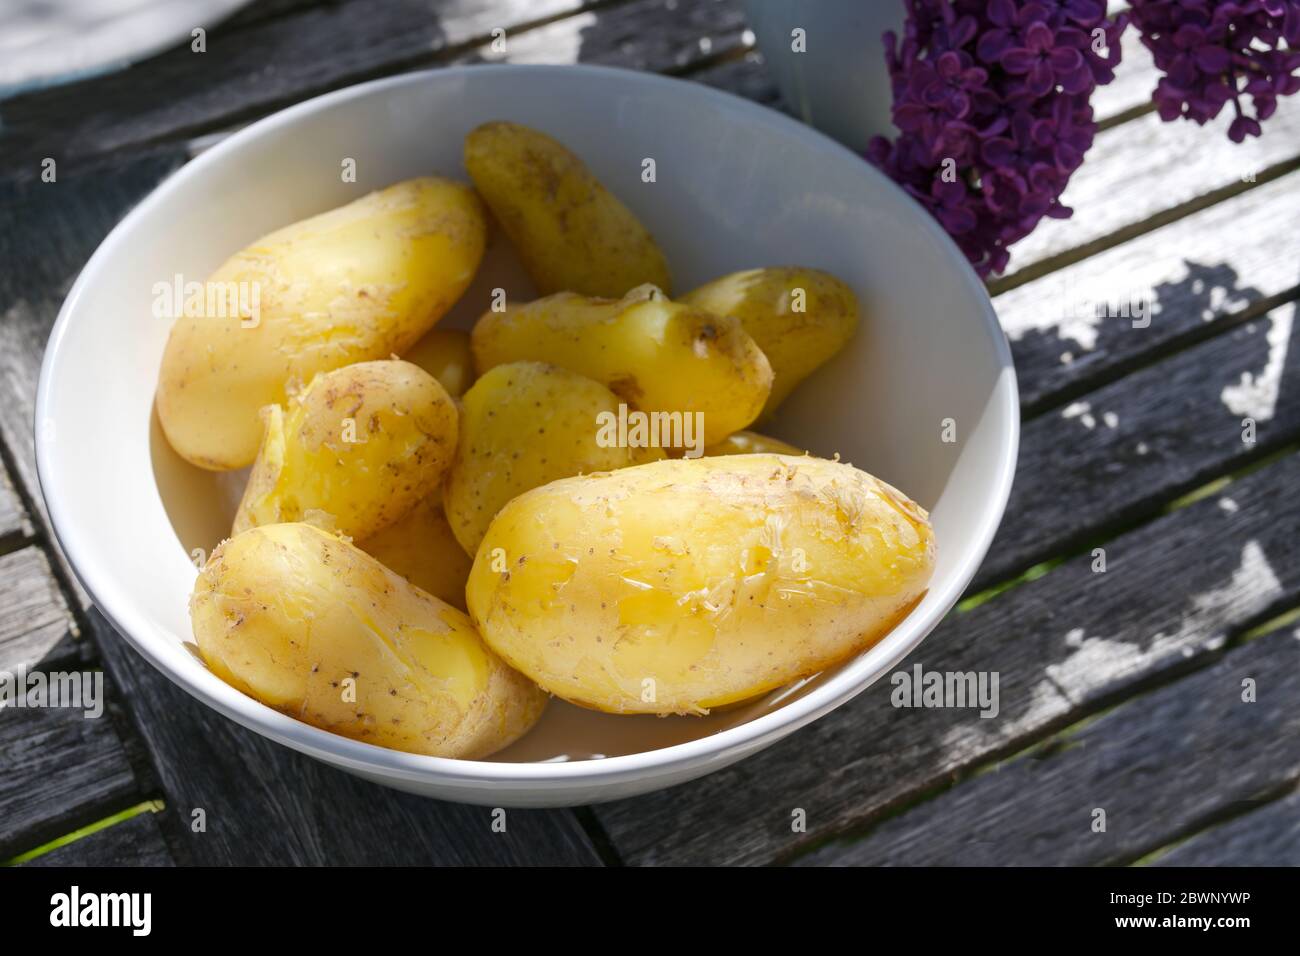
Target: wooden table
[1120,690]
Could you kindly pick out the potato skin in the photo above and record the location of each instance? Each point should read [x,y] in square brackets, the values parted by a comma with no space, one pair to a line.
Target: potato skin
[360,282]
[363,444]
[288,613]
[571,233]
[524,424]
[421,548]
[445,354]
[750,443]
[715,578]
[795,343]
[655,354]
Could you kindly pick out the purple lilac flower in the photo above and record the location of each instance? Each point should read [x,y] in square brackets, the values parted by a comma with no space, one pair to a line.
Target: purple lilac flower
[1214,52]
[991,98]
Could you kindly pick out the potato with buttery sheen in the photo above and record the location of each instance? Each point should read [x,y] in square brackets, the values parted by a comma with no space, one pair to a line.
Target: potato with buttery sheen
[445,354]
[767,303]
[360,282]
[682,585]
[572,234]
[364,444]
[750,443]
[656,355]
[306,623]
[524,424]
[421,548]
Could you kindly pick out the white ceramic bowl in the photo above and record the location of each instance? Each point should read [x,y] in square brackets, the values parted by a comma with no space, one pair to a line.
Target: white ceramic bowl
[737,186]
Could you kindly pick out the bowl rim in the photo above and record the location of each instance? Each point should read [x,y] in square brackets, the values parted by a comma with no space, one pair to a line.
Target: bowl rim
[853,677]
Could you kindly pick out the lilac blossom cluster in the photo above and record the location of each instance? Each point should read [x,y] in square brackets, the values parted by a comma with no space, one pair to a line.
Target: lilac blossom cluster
[1214,52]
[991,98]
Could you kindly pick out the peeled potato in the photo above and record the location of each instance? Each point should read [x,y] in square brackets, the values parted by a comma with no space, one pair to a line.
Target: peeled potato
[799,318]
[421,548]
[687,584]
[524,424]
[751,443]
[306,623]
[445,354]
[362,445]
[656,355]
[360,282]
[570,231]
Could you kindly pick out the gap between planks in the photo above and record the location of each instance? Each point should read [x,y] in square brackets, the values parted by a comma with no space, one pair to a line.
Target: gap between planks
[1258,836]
[133,845]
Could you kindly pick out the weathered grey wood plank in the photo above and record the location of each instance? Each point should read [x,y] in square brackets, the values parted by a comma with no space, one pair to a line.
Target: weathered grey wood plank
[47,232]
[59,770]
[1193,282]
[1119,453]
[1140,172]
[677,48]
[262,10]
[253,70]
[1063,645]
[133,842]
[745,76]
[1264,837]
[266,804]
[665,36]
[36,628]
[13,520]
[247,70]
[1158,766]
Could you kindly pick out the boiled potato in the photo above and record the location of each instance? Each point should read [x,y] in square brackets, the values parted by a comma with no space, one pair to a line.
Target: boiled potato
[360,282]
[524,424]
[363,444]
[421,548]
[751,443]
[682,585]
[798,317]
[445,354]
[656,355]
[571,233]
[308,624]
